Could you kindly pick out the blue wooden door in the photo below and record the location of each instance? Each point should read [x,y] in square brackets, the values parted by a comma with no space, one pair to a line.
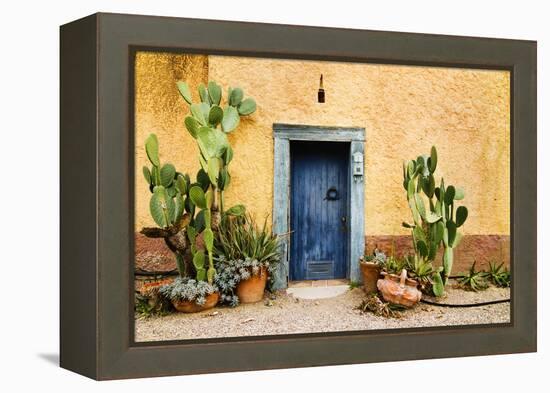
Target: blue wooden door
[318,216]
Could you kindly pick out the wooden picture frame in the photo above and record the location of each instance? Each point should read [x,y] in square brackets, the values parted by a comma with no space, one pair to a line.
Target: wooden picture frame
[96,203]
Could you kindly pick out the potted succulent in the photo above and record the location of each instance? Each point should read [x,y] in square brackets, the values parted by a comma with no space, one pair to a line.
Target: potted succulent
[190,295]
[371,265]
[247,255]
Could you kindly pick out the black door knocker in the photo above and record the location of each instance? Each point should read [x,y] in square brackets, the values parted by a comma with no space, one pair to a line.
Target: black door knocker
[332,194]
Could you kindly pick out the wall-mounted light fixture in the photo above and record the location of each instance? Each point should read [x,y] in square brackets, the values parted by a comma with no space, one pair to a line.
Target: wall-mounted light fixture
[321,92]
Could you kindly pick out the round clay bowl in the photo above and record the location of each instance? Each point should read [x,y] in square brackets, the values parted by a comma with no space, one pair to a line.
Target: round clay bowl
[252,290]
[190,306]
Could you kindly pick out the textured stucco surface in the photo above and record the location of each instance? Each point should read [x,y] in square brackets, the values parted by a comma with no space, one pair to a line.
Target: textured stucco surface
[160,109]
[404,110]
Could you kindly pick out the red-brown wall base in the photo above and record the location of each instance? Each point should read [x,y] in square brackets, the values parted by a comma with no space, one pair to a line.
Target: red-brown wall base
[480,248]
[154,255]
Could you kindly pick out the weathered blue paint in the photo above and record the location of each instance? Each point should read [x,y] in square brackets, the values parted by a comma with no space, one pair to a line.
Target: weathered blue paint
[318,213]
[281,211]
[357,214]
[283,134]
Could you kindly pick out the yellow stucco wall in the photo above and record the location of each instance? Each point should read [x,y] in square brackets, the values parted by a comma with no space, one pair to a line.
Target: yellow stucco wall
[404,110]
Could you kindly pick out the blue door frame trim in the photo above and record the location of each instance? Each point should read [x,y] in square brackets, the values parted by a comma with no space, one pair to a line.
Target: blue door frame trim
[282,135]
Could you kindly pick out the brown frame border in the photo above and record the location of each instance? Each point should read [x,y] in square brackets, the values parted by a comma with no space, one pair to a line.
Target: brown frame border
[97,159]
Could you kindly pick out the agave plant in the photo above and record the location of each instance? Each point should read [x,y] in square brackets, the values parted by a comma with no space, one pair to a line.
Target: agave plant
[473,279]
[498,274]
[243,249]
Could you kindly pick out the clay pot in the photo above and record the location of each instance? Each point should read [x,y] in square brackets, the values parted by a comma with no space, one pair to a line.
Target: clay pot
[399,289]
[371,273]
[252,290]
[190,306]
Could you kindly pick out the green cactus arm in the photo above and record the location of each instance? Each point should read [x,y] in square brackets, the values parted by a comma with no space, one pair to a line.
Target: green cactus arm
[461,215]
[215,92]
[215,116]
[203,180]
[198,113]
[167,174]
[230,119]
[161,207]
[411,168]
[449,195]
[247,107]
[147,174]
[227,155]
[211,272]
[237,211]
[422,248]
[459,193]
[451,232]
[192,126]
[181,185]
[152,149]
[236,96]
[224,179]
[203,93]
[199,260]
[180,264]
[198,197]
[212,143]
[208,239]
[420,206]
[213,170]
[185,92]
[447,263]
[438,287]
[178,207]
[209,198]
[432,161]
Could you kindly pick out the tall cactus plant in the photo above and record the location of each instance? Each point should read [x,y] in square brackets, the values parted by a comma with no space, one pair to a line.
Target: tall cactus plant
[435,225]
[209,125]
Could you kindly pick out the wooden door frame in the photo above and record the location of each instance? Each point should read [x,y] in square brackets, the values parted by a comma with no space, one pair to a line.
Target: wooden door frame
[282,135]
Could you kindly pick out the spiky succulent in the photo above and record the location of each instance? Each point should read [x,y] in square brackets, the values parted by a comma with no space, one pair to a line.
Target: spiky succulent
[473,279]
[243,250]
[498,274]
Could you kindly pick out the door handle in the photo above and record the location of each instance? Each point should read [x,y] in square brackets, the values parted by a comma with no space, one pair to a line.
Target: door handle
[343,219]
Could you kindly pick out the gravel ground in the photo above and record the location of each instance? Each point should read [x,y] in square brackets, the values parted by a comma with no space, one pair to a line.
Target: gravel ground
[286,315]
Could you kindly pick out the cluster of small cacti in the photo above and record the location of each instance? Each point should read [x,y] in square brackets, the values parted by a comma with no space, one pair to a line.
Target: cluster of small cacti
[437,224]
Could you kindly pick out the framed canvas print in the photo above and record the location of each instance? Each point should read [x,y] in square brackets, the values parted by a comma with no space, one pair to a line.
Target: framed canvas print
[241,196]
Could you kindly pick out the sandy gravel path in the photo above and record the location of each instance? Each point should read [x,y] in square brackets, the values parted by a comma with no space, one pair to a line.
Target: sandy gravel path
[286,315]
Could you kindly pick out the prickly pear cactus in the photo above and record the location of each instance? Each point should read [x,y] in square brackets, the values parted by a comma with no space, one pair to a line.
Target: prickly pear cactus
[209,123]
[435,223]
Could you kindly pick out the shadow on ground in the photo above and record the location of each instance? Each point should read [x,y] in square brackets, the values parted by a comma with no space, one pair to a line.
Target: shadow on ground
[52,358]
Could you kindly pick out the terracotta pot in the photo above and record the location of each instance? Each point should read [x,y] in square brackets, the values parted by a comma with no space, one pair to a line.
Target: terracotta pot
[399,289]
[252,290]
[190,306]
[371,273]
